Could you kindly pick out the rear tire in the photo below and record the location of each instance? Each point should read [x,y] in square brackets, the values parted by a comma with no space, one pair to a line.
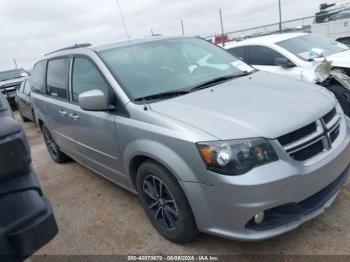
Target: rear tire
[56,154]
[165,203]
[24,119]
[343,96]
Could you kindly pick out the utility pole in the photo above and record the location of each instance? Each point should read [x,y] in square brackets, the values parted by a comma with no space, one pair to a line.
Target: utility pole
[280,11]
[182,27]
[152,34]
[14,60]
[222,29]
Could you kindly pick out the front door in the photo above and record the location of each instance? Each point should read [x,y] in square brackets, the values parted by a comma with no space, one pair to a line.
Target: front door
[264,59]
[95,132]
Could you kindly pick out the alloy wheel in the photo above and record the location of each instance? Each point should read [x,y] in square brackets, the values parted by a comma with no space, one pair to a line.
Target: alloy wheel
[160,202]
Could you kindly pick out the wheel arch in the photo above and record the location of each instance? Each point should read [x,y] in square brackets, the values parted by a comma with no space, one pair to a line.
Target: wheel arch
[142,150]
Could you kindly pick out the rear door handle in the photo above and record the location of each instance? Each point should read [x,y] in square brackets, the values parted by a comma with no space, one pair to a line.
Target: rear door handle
[74,116]
[63,113]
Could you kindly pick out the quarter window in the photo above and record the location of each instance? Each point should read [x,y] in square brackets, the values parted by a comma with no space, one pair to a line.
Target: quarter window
[86,77]
[37,79]
[57,78]
[261,55]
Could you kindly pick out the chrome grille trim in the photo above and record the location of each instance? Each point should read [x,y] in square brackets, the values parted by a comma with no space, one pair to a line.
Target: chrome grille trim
[293,150]
[326,132]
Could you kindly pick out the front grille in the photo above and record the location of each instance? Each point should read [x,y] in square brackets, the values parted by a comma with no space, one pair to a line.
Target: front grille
[312,139]
[9,88]
[308,152]
[334,134]
[329,116]
[298,134]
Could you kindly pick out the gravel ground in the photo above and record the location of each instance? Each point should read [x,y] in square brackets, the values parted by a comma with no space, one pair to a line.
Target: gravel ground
[98,217]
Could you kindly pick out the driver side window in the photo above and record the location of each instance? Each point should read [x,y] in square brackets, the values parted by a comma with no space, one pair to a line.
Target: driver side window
[262,55]
[86,77]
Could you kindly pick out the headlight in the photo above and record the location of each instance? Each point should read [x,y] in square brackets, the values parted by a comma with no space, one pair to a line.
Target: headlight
[236,157]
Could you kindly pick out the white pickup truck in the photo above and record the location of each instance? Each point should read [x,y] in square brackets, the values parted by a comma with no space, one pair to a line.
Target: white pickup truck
[333,21]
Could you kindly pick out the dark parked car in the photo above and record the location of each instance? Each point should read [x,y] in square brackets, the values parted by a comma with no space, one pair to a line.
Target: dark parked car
[26,219]
[23,102]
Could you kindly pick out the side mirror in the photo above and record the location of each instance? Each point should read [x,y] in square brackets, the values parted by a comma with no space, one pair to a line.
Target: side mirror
[284,62]
[93,100]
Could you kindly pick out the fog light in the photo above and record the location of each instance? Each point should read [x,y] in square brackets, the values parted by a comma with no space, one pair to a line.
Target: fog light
[259,218]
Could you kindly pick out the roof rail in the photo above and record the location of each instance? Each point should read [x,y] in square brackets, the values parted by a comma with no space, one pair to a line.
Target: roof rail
[70,47]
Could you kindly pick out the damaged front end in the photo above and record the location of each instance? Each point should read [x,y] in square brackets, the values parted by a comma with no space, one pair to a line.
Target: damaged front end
[341,77]
[326,74]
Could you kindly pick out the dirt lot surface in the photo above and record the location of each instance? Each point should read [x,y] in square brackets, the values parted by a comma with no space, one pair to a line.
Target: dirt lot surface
[98,217]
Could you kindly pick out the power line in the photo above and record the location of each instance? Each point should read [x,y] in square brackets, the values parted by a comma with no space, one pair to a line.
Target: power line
[123,20]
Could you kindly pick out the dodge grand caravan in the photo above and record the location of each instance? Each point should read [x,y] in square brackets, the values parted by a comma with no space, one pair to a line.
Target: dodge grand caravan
[207,142]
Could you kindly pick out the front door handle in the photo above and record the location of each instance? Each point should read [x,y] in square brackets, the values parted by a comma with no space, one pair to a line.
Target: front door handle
[74,116]
[63,113]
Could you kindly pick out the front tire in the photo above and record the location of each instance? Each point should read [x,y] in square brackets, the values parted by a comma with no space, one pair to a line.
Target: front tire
[165,203]
[56,154]
[343,96]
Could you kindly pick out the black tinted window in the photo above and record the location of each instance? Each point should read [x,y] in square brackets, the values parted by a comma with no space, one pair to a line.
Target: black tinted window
[261,55]
[86,77]
[239,52]
[37,79]
[57,77]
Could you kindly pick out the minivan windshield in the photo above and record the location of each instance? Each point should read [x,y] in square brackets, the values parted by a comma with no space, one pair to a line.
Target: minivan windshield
[310,46]
[12,74]
[171,66]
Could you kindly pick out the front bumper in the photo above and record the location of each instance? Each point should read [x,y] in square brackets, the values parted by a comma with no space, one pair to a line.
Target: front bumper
[226,207]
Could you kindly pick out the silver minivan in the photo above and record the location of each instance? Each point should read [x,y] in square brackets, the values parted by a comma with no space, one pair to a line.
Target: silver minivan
[207,142]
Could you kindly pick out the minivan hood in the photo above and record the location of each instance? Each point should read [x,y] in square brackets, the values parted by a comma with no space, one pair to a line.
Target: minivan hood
[341,59]
[259,105]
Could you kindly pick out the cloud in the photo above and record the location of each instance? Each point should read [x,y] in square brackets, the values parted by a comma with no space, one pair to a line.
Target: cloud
[32,28]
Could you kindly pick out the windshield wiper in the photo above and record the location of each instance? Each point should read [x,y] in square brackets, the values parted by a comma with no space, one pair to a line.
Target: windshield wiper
[218,80]
[168,94]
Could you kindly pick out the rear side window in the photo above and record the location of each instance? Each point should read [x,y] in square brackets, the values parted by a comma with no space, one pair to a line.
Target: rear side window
[37,79]
[86,77]
[262,55]
[239,52]
[57,78]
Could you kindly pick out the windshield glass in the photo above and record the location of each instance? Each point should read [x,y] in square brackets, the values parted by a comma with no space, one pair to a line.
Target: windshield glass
[7,75]
[170,65]
[309,47]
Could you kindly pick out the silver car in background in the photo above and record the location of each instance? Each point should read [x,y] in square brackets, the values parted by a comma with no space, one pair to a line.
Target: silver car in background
[10,81]
[207,142]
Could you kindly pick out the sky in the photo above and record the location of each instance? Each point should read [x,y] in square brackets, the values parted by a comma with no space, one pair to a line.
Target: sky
[31,28]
